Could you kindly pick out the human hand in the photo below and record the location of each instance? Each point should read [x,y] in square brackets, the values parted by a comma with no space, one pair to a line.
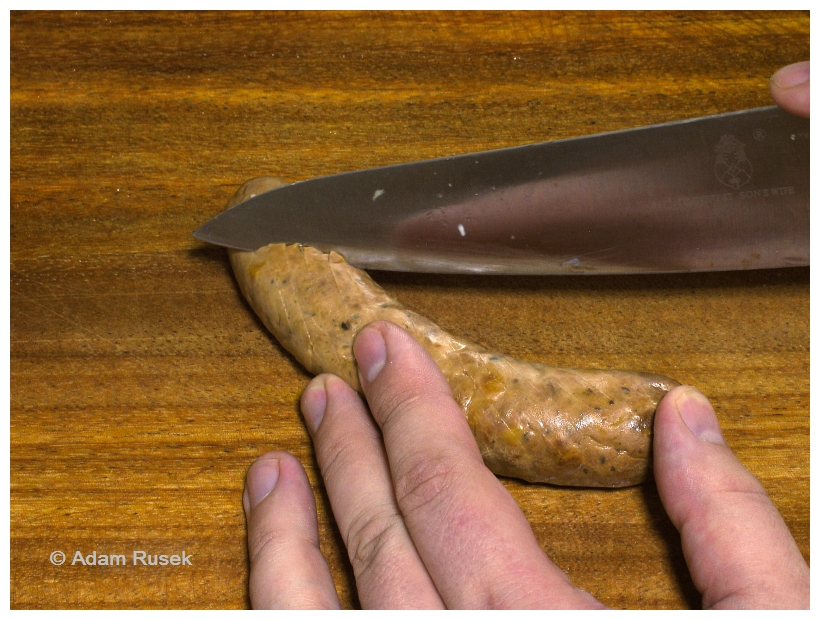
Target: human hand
[790,88]
[427,525]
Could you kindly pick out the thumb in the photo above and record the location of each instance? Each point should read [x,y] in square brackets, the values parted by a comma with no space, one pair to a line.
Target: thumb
[737,546]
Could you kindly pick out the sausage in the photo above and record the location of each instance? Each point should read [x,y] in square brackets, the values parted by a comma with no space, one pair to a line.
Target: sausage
[587,428]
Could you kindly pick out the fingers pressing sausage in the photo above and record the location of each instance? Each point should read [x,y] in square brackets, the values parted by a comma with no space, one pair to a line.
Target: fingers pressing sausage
[468,530]
[738,548]
[389,573]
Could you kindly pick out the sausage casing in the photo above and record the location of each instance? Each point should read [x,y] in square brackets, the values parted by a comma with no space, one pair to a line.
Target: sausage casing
[531,421]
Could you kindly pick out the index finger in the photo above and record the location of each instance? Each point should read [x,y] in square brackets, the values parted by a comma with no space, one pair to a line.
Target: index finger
[470,533]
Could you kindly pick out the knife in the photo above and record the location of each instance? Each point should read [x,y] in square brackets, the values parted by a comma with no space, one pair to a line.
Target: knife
[721,192]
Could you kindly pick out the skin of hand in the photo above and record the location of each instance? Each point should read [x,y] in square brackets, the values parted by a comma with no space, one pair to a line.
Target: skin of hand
[427,525]
[790,88]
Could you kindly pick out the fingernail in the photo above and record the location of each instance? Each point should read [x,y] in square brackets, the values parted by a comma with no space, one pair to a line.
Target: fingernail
[699,416]
[314,403]
[792,75]
[260,481]
[371,353]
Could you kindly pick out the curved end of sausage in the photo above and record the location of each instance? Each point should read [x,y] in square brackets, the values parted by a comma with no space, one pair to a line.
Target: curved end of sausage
[254,187]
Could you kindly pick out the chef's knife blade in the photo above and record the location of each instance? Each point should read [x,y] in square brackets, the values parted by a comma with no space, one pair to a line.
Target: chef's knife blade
[716,193]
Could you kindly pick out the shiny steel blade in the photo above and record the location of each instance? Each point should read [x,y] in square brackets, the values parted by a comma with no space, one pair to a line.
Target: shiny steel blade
[722,192]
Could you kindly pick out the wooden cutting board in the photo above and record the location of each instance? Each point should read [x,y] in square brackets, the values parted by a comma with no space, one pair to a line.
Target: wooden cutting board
[142,386]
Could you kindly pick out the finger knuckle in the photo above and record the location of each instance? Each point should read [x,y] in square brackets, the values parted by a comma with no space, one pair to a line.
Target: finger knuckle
[425,483]
[396,401]
[264,543]
[370,538]
[341,452]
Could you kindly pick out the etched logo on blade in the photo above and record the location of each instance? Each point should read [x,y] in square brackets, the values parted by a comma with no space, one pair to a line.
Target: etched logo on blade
[731,166]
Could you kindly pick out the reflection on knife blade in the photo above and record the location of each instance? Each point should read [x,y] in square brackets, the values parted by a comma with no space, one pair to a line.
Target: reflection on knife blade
[724,192]
[619,232]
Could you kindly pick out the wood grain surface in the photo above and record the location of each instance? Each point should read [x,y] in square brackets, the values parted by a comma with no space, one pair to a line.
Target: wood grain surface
[142,386]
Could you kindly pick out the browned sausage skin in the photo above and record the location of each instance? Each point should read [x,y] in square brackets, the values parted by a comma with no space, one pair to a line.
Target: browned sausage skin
[568,427]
